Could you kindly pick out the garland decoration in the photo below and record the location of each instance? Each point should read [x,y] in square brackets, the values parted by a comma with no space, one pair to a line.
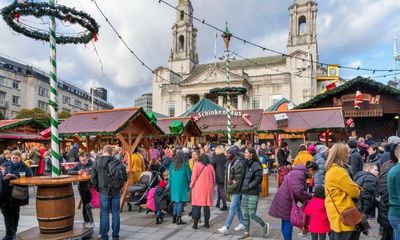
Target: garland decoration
[63,13]
[231,91]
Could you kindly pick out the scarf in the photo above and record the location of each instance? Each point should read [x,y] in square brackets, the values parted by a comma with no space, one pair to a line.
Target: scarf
[15,167]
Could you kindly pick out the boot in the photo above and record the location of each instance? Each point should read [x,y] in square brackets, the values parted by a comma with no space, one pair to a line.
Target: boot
[207,224]
[179,221]
[158,220]
[174,219]
[224,208]
[195,222]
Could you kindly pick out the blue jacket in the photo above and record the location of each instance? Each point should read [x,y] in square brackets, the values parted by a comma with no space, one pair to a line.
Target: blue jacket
[178,182]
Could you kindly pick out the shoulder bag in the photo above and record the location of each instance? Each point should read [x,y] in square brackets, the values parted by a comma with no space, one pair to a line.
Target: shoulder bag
[297,216]
[350,216]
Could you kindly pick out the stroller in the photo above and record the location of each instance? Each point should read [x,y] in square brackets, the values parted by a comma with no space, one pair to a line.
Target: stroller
[138,191]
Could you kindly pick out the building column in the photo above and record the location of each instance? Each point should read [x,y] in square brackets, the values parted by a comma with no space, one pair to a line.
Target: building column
[240,102]
[184,103]
[221,101]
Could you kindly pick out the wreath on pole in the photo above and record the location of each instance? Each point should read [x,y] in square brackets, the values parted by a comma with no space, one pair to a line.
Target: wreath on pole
[231,91]
[12,13]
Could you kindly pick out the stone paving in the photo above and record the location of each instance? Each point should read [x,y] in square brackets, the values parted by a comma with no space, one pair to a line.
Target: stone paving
[135,225]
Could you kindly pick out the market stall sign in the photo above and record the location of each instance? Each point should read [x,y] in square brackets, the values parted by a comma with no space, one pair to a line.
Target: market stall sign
[216,113]
[351,97]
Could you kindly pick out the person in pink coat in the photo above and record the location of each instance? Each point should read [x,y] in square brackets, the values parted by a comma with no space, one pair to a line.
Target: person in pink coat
[202,185]
[316,212]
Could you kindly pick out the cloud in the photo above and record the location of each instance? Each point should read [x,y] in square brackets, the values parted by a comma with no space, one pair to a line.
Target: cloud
[355,64]
[348,31]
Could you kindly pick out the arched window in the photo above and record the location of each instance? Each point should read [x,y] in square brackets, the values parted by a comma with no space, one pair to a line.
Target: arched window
[182,14]
[302,24]
[181,42]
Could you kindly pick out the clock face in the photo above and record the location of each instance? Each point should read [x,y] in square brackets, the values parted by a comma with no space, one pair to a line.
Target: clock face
[332,71]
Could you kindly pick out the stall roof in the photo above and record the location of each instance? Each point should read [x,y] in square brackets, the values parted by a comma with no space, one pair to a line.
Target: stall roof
[190,127]
[12,123]
[352,84]
[304,120]
[32,134]
[218,122]
[107,122]
[202,106]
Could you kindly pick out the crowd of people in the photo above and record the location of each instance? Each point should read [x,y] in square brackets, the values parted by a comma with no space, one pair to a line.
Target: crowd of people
[316,188]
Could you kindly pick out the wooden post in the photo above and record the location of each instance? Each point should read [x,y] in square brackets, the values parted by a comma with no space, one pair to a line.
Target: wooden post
[78,140]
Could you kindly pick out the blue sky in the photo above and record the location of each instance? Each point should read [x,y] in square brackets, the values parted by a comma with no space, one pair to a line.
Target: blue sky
[353,33]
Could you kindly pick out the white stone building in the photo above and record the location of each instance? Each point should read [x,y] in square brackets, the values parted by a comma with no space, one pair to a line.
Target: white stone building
[23,86]
[267,79]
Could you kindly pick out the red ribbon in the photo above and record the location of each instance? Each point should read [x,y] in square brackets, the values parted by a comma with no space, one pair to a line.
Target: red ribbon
[17,16]
[95,37]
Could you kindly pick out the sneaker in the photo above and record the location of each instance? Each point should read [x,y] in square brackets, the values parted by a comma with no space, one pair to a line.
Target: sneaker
[223,230]
[240,227]
[89,225]
[266,230]
[246,236]
[300,234]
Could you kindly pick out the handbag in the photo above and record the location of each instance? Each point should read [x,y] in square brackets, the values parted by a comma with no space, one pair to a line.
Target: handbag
[297,215]
[19,193]
[350,216]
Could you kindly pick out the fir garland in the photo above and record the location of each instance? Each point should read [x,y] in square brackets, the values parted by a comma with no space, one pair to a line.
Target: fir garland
[231,91]
[63,13]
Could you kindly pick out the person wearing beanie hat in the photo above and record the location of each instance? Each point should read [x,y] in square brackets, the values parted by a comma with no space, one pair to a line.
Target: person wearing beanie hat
[160,201]
[355,160]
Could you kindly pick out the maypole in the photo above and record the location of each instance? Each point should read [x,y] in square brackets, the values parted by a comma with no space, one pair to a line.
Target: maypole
[227,38]
[11,15]
[55,141]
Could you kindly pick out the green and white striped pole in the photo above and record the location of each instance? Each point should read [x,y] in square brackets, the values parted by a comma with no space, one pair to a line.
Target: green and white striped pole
[55,142]
[227,38]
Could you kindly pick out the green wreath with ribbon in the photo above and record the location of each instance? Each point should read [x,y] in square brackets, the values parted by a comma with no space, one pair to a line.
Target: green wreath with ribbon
[13,12]
[231,91]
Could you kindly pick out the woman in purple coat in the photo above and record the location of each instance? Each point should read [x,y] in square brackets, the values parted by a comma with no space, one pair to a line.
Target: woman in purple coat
[282,203]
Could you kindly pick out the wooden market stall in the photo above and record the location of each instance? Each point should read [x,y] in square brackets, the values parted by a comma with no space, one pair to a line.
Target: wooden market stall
[21,131]
[369,107]
[129,125]
[303,121]
[182,128]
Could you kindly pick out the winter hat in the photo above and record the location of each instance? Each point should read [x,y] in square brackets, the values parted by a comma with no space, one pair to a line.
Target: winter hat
[232,150]
[162,184]
[393,139]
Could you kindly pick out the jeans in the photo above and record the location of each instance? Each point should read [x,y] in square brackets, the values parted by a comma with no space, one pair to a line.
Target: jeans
[395,222]
[11,218]
[221,194]
[178,209]
[250,203]
[107,202]
[316,236]
[234,209]
[287,229]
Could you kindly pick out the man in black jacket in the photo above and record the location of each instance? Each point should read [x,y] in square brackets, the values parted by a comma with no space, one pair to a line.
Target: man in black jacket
[84,167]
[368,181]
[234,174]
[109,196]
[356,162]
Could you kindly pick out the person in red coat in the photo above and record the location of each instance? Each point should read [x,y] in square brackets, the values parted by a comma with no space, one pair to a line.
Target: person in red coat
[318,220]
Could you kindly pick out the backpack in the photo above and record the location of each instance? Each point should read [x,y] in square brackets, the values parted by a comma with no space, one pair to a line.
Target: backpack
[116,173]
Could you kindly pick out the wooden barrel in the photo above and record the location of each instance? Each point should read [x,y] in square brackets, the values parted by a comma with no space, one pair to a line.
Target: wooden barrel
[55,208]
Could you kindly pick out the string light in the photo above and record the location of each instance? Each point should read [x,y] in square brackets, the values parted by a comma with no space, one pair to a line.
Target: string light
[204,22]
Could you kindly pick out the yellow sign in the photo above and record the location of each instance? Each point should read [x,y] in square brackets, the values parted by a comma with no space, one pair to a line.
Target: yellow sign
[333,73]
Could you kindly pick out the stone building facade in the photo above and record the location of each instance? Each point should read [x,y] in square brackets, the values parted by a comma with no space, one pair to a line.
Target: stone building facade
[267,79]
[23,86]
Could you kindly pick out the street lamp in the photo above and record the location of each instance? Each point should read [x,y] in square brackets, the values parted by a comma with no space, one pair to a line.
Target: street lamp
[227,38]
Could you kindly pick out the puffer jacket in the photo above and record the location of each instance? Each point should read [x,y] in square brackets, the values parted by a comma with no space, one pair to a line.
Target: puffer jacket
[235,169]
[75,171]
[374,158]
[368,182]
[319,175]
[383,193]
[282,203]
[252,178]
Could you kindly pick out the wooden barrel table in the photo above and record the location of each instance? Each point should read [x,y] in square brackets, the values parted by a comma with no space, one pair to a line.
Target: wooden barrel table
[55,202]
